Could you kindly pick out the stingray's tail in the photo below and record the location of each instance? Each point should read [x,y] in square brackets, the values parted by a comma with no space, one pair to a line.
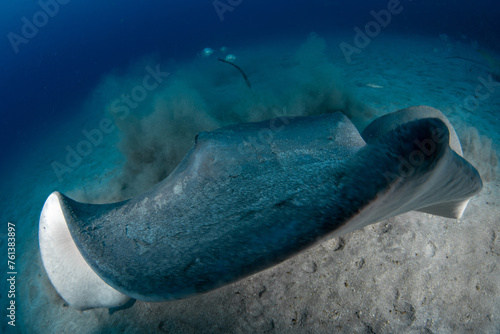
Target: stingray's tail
[239,69]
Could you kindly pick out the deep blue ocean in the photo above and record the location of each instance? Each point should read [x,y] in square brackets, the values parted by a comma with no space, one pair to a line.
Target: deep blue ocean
[63,62]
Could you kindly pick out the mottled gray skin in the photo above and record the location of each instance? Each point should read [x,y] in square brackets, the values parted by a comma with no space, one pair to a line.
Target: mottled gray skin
[249,196]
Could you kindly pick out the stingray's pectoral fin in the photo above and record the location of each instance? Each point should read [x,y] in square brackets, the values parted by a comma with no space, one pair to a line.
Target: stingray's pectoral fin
[68,272]
[454,181]
[410,168]
[450,181]
[452,209]
[432,177]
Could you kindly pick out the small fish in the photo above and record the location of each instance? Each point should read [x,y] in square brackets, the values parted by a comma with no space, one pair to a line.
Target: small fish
[230,58]
[372,85]
[207,52]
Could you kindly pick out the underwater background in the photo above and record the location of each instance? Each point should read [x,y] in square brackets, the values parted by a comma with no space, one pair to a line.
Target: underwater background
[77,117]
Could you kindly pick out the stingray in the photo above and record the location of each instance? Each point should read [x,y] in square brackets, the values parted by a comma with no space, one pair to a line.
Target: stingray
[249,196]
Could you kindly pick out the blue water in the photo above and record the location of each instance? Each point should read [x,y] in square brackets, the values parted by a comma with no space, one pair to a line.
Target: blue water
[67,57]
[48,78]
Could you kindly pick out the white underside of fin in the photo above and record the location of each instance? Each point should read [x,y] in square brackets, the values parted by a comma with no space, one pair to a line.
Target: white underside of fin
[445,181]
[453,210]
[68,271]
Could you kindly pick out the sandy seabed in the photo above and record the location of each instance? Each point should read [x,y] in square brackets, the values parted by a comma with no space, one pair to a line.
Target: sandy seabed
[415,273]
